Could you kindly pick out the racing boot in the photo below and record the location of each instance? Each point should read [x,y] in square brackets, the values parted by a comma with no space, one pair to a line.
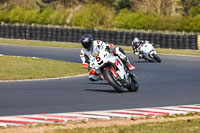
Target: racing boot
[120,52]
[128,64]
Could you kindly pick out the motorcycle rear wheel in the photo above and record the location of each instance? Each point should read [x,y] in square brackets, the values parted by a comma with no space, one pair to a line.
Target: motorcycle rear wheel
[112,81]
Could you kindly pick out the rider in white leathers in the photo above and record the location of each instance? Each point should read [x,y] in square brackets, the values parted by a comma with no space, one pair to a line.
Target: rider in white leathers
[90,46]
[137,44]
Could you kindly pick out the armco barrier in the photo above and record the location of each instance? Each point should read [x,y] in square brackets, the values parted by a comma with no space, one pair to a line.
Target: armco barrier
[45,33]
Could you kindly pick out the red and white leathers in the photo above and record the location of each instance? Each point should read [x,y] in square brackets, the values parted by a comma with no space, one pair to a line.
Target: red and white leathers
[85,57]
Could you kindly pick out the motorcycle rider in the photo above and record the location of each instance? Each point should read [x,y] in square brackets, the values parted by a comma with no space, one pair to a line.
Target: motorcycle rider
[137,44]
[90,45]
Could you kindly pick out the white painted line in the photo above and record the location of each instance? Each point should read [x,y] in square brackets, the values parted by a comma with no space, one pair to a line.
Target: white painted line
[6,124]
[16,120]
[179,109]
[134,114]
[112,115]
[3,124]
[161,110]
[66,118]
[82,75]
[85,116]
[42,118]
[34,120]
[190,107]
[156,112]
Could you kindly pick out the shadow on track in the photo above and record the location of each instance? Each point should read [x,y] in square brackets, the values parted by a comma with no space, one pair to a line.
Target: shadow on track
[145,61]
[96,90]
[107,91]
[96,83]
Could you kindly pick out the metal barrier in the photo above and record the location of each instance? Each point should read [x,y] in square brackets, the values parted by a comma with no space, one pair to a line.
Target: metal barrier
[45,33]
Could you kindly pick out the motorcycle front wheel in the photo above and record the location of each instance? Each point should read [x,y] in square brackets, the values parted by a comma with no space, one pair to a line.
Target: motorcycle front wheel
[133,87]
[156,57]
[112,81]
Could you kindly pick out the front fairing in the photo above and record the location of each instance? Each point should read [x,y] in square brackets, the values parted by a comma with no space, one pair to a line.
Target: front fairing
[102,59]
[147,50]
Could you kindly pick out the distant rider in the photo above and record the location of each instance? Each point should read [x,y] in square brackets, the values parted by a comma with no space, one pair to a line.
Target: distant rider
[90,46]
[137,44]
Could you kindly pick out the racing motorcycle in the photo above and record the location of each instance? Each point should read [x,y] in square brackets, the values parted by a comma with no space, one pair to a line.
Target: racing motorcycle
[148,52]
[113,70]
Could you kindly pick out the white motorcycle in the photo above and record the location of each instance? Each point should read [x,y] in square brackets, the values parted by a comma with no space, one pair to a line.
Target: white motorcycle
[148,52]
[113,70]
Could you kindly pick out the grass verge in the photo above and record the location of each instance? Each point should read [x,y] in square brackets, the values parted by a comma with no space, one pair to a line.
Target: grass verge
[39,43]
[19,68]
[78,45]
[180,126]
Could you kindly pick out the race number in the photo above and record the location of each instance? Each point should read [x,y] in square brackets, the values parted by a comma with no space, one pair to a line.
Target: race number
[98,58]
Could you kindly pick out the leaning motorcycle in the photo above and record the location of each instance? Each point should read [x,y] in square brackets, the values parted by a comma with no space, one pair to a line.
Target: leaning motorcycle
[113,70]
[148,52]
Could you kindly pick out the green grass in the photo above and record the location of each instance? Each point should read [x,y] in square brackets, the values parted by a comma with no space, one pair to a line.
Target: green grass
[180,126]
[19,68]
[40,43]
[179,52]
[78,45]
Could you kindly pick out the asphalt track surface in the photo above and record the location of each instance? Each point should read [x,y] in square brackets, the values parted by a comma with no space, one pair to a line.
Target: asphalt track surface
[175,81]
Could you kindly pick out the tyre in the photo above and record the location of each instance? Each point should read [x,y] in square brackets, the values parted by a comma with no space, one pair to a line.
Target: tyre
[110,78]
[156,57]
[133,86]
[150,60]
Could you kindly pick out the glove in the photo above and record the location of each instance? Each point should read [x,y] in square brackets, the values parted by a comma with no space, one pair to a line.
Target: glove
[107,49]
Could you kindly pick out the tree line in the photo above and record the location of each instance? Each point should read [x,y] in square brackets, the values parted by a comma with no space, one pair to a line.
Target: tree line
[173,15]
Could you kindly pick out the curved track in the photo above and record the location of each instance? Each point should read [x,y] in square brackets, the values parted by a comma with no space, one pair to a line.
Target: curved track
[175,81]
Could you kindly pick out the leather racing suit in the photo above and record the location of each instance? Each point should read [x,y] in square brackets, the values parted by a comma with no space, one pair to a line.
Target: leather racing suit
[85,57]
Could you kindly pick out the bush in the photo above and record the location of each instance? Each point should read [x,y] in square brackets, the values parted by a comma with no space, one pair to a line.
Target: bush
[184,24]
[30,16]
[93,15]
[17,15]
[4,15]
[194,24]
[43,16]
[27,16]
[59,17]
[134,20]
[194,11]
[147,21]
[99,16]
[168,23]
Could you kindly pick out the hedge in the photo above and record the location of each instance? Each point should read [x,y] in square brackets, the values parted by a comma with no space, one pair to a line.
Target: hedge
[98,16]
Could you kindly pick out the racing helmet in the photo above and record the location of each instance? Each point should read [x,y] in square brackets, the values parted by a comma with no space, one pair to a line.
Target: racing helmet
[136,42]
[87,41]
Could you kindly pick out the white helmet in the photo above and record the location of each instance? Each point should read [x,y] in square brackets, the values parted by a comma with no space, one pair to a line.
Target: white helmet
[136,42]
